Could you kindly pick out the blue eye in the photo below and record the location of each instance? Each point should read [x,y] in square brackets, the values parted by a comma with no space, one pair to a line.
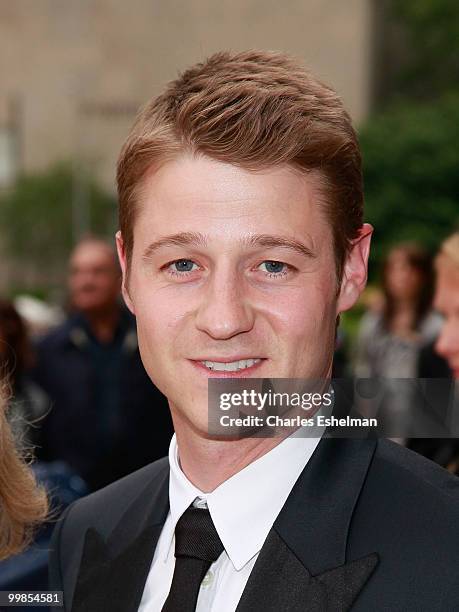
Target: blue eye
[183,265]
[275,267]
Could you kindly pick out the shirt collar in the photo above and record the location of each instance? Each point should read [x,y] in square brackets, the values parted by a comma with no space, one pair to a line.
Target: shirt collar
[258,492]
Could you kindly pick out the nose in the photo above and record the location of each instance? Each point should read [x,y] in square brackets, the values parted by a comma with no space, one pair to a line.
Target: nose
[225,310]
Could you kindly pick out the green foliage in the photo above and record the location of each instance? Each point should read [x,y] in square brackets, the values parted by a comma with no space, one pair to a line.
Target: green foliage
[432,31]
[411,162]
[36,216]
[410,151]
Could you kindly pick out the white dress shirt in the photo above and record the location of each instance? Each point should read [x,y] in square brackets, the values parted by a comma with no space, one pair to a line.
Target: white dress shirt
[243,509]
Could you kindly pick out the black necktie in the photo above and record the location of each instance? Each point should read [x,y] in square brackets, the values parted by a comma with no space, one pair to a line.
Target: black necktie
[197,546]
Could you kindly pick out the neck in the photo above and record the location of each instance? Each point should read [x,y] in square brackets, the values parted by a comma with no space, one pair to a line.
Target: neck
[207,463]
[103,322]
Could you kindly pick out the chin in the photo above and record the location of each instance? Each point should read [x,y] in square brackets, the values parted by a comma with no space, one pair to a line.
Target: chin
[196,422]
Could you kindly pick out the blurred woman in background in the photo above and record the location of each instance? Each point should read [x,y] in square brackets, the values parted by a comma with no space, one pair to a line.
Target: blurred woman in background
[391,338]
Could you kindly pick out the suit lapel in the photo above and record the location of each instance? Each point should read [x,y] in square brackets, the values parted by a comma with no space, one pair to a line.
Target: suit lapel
[279,581]
[303,564]
[113,573]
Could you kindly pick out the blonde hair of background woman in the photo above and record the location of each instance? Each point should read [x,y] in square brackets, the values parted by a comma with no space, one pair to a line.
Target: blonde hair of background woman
[23,503]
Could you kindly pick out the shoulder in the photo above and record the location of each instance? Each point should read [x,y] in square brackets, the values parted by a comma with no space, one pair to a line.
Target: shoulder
[408,513]
[411,496]
[104,508]
[416,469]
[105,512]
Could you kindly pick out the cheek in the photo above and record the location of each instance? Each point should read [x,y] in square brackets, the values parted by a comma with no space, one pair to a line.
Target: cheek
[156,344]
[149,338]
[153,322]
[160,319]
[305,317]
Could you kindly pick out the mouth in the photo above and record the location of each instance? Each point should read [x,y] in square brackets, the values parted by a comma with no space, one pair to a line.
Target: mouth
[227,369]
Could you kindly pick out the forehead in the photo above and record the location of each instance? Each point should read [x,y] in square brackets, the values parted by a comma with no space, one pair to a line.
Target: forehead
[195,193]
[398,258]
[92,254]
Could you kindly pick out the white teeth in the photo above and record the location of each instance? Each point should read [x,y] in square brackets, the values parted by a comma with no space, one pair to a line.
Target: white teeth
[233,366]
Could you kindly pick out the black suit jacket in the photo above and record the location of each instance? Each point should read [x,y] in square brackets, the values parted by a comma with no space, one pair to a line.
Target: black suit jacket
[368,526]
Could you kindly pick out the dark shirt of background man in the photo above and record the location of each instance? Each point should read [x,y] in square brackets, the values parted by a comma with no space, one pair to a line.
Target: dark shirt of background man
[106,417]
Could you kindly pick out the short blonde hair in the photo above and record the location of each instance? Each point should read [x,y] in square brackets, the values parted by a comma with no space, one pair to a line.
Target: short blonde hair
[253,109]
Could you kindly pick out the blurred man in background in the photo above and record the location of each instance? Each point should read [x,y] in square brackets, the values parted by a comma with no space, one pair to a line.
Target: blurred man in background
[106,417]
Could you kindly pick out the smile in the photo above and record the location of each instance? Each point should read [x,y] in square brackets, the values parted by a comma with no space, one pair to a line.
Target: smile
[232,366]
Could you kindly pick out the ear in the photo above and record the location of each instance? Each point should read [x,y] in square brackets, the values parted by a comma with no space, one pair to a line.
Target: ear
[355,269]
[125,273]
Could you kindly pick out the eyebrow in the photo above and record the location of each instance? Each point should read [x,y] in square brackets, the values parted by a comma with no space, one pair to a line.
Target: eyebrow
[181,239]
[272,242]
[258,240]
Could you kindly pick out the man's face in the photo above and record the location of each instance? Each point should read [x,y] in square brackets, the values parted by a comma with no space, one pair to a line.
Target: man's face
[94,282]
[447,303]
[228,266]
